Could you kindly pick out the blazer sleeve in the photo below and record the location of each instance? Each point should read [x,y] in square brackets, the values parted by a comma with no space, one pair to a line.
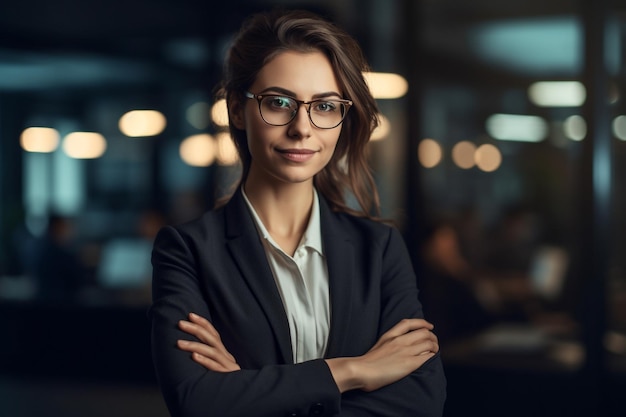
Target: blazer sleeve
[188,388]
[423,392]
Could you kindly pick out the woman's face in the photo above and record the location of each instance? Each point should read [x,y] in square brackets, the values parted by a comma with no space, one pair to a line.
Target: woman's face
[295,152]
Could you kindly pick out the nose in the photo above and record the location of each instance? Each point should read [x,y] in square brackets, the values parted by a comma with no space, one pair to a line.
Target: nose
[300,126]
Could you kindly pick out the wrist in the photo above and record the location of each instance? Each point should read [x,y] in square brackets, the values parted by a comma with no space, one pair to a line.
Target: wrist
[345,373]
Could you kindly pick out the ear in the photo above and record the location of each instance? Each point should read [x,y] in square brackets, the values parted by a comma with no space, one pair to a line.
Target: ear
[236,114]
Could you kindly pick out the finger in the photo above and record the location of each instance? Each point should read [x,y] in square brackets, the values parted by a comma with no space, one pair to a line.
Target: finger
[213,365]
[420,341]
[206,333]
[207,338]
[408,325]
[197,347]
[402,327]
[200,332]
[204,323]
[416,337]
[414,342]
[215,355]
[426,347]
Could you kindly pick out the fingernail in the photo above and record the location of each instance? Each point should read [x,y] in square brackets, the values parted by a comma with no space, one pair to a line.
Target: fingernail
[193,315]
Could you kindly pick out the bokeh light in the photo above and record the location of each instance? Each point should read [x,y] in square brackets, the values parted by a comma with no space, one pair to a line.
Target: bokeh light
[40,139]
[517,127]
[84,145]
[198,115]
[142,123]
[219,113]
[575,128]
[619,127]
[463,154]
[384,85]
[198,150]
[488,157]
[382,130]
[557,93]
[226,150]
[429,153]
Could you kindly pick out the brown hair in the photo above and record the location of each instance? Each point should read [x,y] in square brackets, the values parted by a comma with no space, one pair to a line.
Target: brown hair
[266,35]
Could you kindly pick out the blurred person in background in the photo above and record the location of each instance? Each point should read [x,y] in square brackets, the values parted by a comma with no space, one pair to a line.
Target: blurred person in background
[508,274]
[58,270]
[285,300]
[449,282]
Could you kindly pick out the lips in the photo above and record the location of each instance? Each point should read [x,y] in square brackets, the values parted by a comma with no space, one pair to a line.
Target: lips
[297,155]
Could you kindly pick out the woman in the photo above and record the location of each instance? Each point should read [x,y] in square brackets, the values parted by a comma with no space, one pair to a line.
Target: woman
[285,301]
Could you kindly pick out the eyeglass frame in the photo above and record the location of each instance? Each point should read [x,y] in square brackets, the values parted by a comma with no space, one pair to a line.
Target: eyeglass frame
[260,97]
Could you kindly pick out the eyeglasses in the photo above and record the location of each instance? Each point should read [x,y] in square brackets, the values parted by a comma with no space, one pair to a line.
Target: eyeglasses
[280,110]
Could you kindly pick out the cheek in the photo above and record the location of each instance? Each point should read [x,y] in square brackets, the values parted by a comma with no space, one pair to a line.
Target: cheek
[333,141]
[251,123]
[330,151]
[255,130]
[259,137]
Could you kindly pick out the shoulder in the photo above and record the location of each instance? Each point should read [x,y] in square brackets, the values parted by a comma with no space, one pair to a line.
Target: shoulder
[225,222]
[360,228]
[349,222]
[360,223]
[208,221]
[209,227]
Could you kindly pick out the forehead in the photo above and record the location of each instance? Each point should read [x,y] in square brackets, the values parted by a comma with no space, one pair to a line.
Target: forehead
[304,73]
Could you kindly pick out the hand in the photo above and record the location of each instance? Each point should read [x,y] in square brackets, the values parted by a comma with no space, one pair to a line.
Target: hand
[398,352]
[210,352]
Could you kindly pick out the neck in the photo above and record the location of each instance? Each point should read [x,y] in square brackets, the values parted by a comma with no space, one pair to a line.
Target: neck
[284,210]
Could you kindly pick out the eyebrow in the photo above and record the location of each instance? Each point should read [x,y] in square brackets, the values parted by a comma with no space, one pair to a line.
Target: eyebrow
[286,92]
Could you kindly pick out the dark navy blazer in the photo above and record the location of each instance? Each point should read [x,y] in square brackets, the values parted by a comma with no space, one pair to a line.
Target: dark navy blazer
[215,266]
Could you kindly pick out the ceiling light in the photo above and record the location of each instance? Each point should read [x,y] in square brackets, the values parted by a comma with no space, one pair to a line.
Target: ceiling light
[39,139]
[84,145]
[517,127]
[386,85]
[557,93]
[142,123]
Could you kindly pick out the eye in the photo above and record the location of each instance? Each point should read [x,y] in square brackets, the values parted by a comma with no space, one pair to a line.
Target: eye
[325,106]
[279,102]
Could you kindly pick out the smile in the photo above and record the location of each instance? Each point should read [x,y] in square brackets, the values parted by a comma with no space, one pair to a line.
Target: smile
[297,155]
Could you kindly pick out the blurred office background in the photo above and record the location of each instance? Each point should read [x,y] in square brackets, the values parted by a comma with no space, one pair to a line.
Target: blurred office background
[501,157]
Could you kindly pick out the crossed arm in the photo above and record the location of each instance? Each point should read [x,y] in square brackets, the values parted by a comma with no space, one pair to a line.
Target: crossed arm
[402,368]
[398,352]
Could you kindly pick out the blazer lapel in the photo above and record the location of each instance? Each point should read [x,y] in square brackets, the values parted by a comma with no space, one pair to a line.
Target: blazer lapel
[339,252]
[247,250]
